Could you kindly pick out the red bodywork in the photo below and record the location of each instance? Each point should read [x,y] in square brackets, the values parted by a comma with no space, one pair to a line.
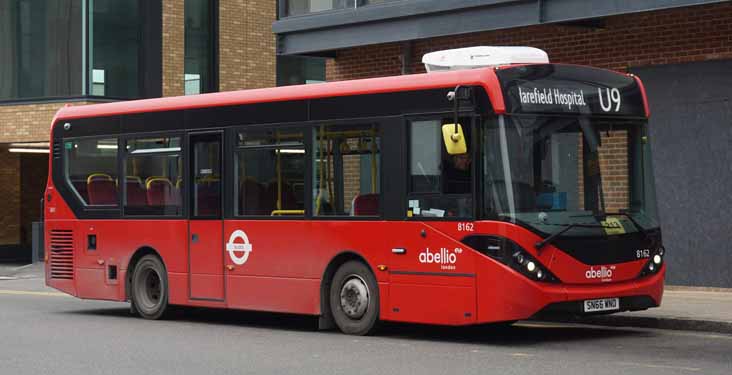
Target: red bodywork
[288,258]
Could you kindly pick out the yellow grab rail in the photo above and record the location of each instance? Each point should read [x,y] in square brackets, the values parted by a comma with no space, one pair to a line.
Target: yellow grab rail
[287,212]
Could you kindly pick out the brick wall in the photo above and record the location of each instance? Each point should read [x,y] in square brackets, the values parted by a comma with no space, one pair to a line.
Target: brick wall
[680,35]
[34,171]
[23,176]
[28,122]
[173,47]
[614,170]
[10,204]
[246,44]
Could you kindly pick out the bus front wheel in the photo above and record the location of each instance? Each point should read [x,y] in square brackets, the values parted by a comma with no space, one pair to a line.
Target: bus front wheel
[150,287]
[354,299]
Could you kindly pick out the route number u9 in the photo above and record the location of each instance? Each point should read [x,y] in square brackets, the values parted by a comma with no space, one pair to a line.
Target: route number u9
[610,98]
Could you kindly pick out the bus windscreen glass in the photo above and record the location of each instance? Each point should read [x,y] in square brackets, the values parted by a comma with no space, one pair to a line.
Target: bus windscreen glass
[549,172]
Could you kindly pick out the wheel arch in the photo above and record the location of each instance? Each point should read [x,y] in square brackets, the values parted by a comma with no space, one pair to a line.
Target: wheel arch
[325,320]
[139,253]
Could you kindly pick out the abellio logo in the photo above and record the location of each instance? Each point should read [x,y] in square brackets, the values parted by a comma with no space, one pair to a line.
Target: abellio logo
[444,257]
[602,273]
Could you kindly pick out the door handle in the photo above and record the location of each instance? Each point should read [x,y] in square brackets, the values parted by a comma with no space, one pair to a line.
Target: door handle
[194,238]
[399,250]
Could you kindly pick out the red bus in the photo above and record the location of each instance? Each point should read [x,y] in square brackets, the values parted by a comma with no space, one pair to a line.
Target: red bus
[354,202]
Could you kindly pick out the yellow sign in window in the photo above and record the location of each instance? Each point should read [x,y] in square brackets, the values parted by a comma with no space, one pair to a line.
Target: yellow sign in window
[613,226]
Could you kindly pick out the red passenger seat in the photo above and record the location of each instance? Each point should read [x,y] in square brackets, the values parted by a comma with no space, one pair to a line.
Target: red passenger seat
[160,192]
[366,205]
[288,200]
[136,195]
[251,195]
[102,189]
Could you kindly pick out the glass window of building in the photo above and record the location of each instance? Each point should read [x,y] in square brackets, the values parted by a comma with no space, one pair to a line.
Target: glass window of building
[199,46]
[115,48]
[40,48]
[298,7]
[298,70]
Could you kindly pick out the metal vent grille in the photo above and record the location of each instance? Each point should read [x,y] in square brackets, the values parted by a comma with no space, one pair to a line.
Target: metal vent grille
[62,254]
[57,149]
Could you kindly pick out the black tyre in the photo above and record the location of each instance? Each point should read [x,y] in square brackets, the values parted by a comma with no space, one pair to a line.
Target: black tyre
[149,288]
[354,299]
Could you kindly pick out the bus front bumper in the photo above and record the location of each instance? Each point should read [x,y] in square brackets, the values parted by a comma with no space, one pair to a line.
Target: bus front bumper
[633,295]
[526,299]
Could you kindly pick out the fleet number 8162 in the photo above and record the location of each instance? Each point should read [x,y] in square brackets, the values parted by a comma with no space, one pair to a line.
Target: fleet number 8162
[465,227]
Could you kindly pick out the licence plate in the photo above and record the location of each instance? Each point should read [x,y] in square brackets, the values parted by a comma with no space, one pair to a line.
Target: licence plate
[605,304]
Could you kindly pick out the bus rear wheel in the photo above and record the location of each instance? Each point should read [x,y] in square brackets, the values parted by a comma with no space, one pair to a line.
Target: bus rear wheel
[354,299]
[149,288]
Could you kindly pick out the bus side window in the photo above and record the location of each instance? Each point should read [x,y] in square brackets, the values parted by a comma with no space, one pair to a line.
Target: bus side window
[92,171]
[270,167]
[347,170]
[153,176]
[440,185]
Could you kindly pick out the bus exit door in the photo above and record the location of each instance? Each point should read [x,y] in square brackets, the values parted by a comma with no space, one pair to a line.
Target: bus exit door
[205,228]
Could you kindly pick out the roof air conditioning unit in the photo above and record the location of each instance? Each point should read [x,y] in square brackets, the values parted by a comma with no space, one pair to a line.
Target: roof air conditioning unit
[480,57]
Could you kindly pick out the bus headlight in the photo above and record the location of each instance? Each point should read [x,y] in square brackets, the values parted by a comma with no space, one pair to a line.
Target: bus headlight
[510,254]
[524,263]
[654,264]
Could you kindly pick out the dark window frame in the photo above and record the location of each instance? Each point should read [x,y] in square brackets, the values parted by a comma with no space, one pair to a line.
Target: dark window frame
[122,160]
[380,135]
[95,208]
[474,168]
[188,183]
[149,70]
[234,167]
[213,70]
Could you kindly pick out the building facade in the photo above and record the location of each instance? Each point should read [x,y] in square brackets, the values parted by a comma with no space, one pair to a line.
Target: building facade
[77,52]
[681,49]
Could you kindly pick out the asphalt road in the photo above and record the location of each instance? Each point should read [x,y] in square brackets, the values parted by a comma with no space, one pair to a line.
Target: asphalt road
[46,333]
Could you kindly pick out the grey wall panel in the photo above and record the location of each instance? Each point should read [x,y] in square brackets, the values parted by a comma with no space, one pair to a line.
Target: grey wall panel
[377,12]
[419,19]
[565,10]
[691,135]
[393,30]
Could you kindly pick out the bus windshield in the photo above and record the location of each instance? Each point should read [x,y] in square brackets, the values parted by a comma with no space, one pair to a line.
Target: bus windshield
[551,172]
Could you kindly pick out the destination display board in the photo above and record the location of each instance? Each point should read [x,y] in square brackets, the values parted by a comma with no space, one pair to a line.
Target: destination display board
[570,89]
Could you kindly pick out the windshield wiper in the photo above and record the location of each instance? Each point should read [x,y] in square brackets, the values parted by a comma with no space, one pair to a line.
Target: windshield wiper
[539,245]
[551,238]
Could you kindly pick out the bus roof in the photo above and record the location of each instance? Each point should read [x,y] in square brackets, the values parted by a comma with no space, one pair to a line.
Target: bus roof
[488,78]
[484,77]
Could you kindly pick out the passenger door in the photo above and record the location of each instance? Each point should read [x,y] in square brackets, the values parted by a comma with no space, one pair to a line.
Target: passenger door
[205,228]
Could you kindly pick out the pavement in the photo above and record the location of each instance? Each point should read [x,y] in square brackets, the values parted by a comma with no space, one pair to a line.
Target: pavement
[682,308]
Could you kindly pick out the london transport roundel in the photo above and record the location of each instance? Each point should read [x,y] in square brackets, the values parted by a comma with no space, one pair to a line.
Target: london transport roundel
[239,247]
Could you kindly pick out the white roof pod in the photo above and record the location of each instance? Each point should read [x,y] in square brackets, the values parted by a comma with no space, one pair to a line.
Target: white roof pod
[479,57]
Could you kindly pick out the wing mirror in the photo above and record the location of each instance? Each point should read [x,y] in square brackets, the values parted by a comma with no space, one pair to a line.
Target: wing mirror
[454,139]
[452,134]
